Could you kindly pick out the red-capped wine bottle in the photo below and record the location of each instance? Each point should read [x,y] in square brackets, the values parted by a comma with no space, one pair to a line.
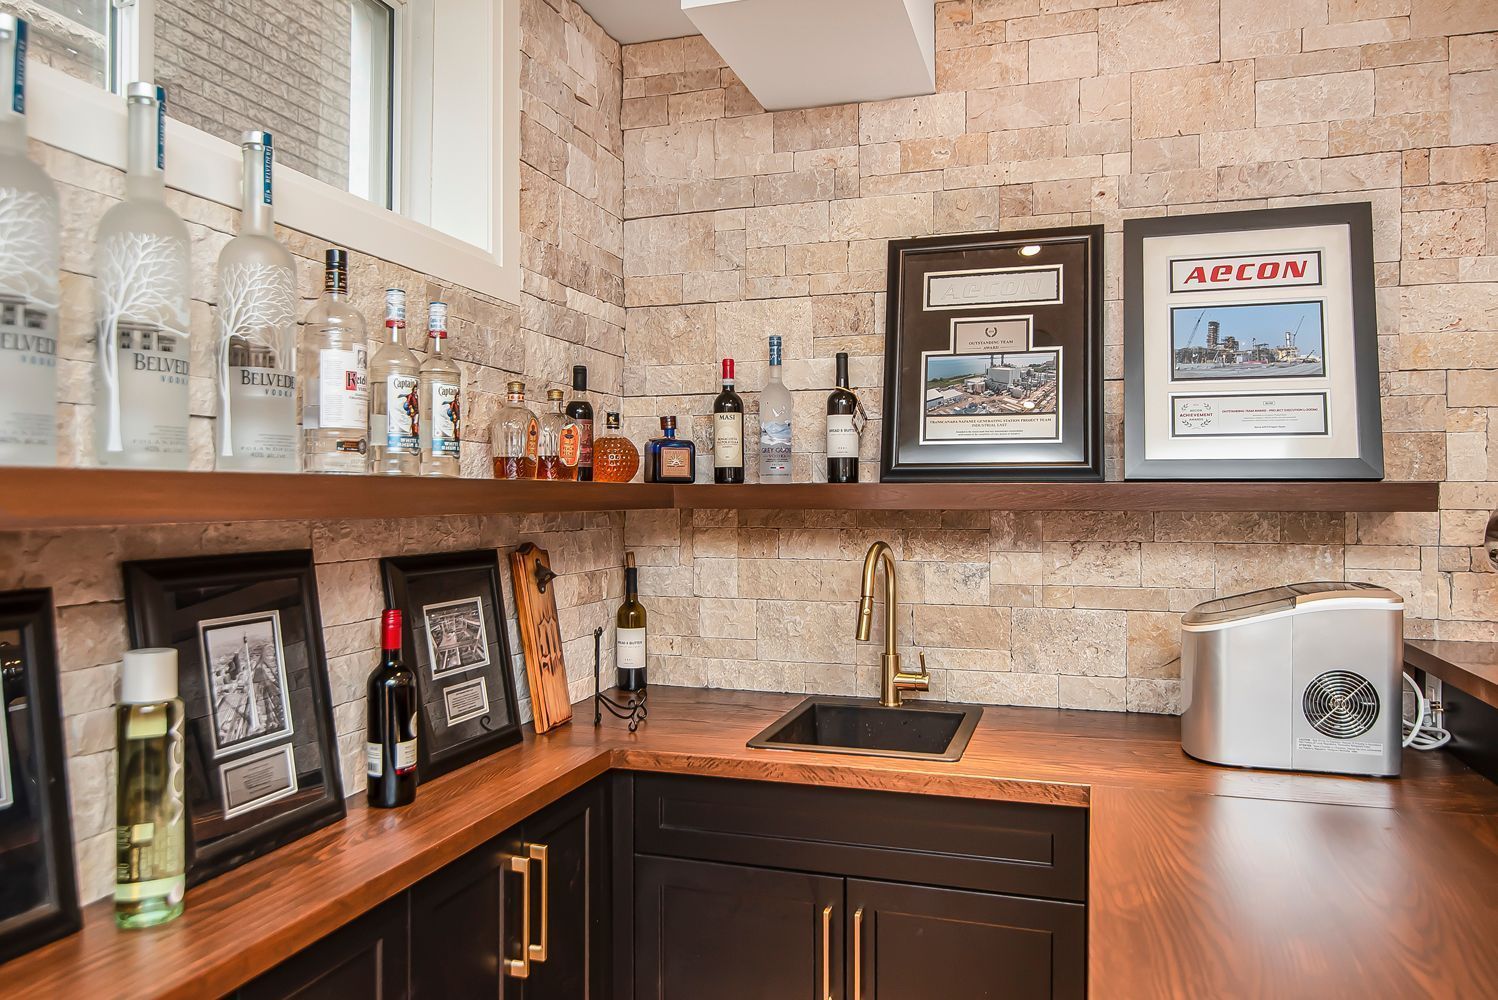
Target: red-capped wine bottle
[728,431]
[390,746]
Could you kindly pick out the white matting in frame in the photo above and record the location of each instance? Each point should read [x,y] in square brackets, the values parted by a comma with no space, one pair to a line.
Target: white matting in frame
[457,638]
[465,700]
[244,668]
[257,780]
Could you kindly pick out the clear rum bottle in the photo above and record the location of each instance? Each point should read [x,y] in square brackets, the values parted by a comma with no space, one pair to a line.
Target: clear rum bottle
[256,427]
[441,402]
[335,377]
[142,278]
[29,289]
[395,412]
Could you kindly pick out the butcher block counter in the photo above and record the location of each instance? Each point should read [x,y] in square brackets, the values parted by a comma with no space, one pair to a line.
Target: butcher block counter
[1202,881]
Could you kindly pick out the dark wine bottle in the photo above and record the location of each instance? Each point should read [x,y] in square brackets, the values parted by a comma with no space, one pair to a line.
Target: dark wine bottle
[580,412]
[728,431]
[842,432]
[390,746]
[629,631]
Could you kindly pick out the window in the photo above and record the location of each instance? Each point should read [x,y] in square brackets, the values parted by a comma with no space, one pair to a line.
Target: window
[409,106]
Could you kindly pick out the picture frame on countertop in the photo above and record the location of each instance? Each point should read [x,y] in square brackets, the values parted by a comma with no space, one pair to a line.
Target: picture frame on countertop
[1251,346]
[455,640]
[261,750]
[993,358]
[38,888]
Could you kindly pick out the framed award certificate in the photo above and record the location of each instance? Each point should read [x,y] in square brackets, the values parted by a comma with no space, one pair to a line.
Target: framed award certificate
[993,358]
[1251,346]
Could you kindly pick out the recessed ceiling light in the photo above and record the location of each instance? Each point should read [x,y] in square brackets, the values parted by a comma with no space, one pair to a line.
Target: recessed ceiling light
[1029,250]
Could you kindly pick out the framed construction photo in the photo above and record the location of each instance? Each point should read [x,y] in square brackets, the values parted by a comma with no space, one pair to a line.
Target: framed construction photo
[452,613]
[261,749]
[993,357]
[1251,346]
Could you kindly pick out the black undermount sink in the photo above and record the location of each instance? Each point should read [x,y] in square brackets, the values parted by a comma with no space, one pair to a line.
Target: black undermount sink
[916,730]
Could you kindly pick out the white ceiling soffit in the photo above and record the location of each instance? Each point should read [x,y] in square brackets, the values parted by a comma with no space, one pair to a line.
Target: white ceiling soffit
[808,53]
[629,21]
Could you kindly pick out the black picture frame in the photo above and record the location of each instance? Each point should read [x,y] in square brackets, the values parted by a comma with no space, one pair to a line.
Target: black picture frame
[478,682]
[1063,346]
[38,890]
[1356,300]
[189,604]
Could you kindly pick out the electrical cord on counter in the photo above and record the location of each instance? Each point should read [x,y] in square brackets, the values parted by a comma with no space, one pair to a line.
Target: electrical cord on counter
[1422,734]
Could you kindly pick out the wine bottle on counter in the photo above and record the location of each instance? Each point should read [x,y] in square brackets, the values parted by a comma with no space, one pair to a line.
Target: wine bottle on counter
[629,631]
[390,747]
[728,431]
[150,808]
[842,432]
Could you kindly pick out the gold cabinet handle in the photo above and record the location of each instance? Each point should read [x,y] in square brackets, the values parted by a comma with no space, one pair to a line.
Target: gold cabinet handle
[827,952]
[520,968]
[537,854]
[858,954]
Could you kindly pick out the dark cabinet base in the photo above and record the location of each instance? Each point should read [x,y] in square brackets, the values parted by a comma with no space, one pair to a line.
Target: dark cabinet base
[366,958]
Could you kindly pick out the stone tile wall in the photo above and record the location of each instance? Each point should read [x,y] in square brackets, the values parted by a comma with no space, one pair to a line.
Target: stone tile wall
[741,223]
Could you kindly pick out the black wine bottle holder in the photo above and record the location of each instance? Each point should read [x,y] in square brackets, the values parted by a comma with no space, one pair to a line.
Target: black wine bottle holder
[632,708]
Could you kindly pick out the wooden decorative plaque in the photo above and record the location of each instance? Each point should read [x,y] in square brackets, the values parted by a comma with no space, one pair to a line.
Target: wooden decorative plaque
[540,637]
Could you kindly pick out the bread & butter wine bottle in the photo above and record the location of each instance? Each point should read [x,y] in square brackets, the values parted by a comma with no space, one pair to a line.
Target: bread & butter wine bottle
[842,432]
[390,747]
[629,631]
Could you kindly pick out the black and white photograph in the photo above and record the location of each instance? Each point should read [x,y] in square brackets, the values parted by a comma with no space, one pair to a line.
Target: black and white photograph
[1251,340]
[257,780]
[246,671]
[456,637]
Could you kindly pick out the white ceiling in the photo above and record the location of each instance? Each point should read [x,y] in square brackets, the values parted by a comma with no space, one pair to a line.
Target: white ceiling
[640,20]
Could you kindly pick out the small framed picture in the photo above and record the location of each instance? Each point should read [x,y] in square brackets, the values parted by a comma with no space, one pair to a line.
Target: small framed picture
[260,747]
[455,640]
[1251,346]
[38,894]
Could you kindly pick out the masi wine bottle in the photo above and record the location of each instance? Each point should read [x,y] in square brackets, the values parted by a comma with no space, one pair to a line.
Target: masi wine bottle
[629,631]
[728,431]
[390,746]
[842,432]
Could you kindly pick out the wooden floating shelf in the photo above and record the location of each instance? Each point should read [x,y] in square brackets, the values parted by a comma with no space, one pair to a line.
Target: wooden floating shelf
[53,498]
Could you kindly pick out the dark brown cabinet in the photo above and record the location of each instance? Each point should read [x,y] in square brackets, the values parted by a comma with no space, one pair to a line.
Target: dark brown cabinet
[464,922]
[366,958]
[733,932]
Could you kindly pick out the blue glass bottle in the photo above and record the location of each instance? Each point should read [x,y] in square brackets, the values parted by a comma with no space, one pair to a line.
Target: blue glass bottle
[668,460]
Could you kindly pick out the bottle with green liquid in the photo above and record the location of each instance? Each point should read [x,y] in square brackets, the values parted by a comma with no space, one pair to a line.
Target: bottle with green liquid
[150,832]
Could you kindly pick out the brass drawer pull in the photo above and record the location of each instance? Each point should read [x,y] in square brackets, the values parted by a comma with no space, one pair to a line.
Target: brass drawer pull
[520,968]
[537,854]
[858,954]
[827,952]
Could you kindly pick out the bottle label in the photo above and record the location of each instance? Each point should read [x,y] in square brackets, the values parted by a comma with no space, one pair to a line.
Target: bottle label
[569,446]
[728,440]
[842,436]
[260,420]
[629,648]
[585,443]
[18,71]
[447,420]
[532,440]
[343,389]
[153,373]
[775,447]
[402,414]
[675,461]
[374,760]
[28,370]
[405,755]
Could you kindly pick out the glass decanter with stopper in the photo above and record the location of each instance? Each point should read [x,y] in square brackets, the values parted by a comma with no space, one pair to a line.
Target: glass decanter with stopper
[615,458]
[513,437]
[556,441]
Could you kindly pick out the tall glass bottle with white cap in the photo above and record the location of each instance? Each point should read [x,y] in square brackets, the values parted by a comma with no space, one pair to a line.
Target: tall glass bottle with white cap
[395,403]
[150,800]
[256,429]
[142,278]
[441,405]
[775,423]
[29,290]
[335,377]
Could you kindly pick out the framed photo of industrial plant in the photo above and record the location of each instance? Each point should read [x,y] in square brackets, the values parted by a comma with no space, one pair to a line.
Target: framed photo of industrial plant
[38,896]
[1251,346]
[993,357]
[453,620]
[259,741]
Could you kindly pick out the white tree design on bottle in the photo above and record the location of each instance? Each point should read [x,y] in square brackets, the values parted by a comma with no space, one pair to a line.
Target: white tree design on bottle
[142,278]
[256,305]
[28,247]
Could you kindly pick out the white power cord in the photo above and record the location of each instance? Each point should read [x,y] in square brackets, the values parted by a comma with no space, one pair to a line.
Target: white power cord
[1422,734]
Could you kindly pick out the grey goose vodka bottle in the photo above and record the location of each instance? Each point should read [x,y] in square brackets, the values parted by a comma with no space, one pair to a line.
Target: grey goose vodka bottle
[142,278]
[256,428]
[29,289]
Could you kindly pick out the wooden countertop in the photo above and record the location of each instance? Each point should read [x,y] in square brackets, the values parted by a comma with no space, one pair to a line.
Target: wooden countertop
[1203,881]
[1471,666]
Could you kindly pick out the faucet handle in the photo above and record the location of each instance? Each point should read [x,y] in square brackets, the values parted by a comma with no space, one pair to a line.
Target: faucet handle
[924,671]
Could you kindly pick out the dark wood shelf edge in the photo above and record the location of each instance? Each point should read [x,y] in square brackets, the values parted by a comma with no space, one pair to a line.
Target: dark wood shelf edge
[1470,666]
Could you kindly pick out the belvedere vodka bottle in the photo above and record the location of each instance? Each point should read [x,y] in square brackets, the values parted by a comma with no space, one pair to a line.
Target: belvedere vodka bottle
[29,290]
[142,280]
[256,428]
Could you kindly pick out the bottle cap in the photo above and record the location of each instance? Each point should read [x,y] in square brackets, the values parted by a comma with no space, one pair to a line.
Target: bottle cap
[142,91]
[148,676]
[390,629]
[515,388]
[255,138]
[554,394]
[668,423]
[395,307]
[728,369]
[437,320]
[611,421]
[8,22]
[336,258]
[580,378]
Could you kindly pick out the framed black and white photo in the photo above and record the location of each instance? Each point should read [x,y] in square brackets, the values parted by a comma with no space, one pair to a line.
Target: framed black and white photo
[993,357]
[455,640]
[260,746]
[38,894]
[1251,346]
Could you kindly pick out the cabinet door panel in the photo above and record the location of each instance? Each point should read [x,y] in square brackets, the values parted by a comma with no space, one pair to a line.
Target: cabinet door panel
[364,960]
[921,943]
[574,881]
[732,932]
[464,923]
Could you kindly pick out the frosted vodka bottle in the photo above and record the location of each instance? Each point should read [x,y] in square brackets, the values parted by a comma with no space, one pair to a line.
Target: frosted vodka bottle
[256,358]
[141,281]
[28,274]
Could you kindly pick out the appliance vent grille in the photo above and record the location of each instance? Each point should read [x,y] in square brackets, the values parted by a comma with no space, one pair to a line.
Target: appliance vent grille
[1341,704]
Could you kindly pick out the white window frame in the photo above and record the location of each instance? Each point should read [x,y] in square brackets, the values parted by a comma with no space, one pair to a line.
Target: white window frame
[85,119]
